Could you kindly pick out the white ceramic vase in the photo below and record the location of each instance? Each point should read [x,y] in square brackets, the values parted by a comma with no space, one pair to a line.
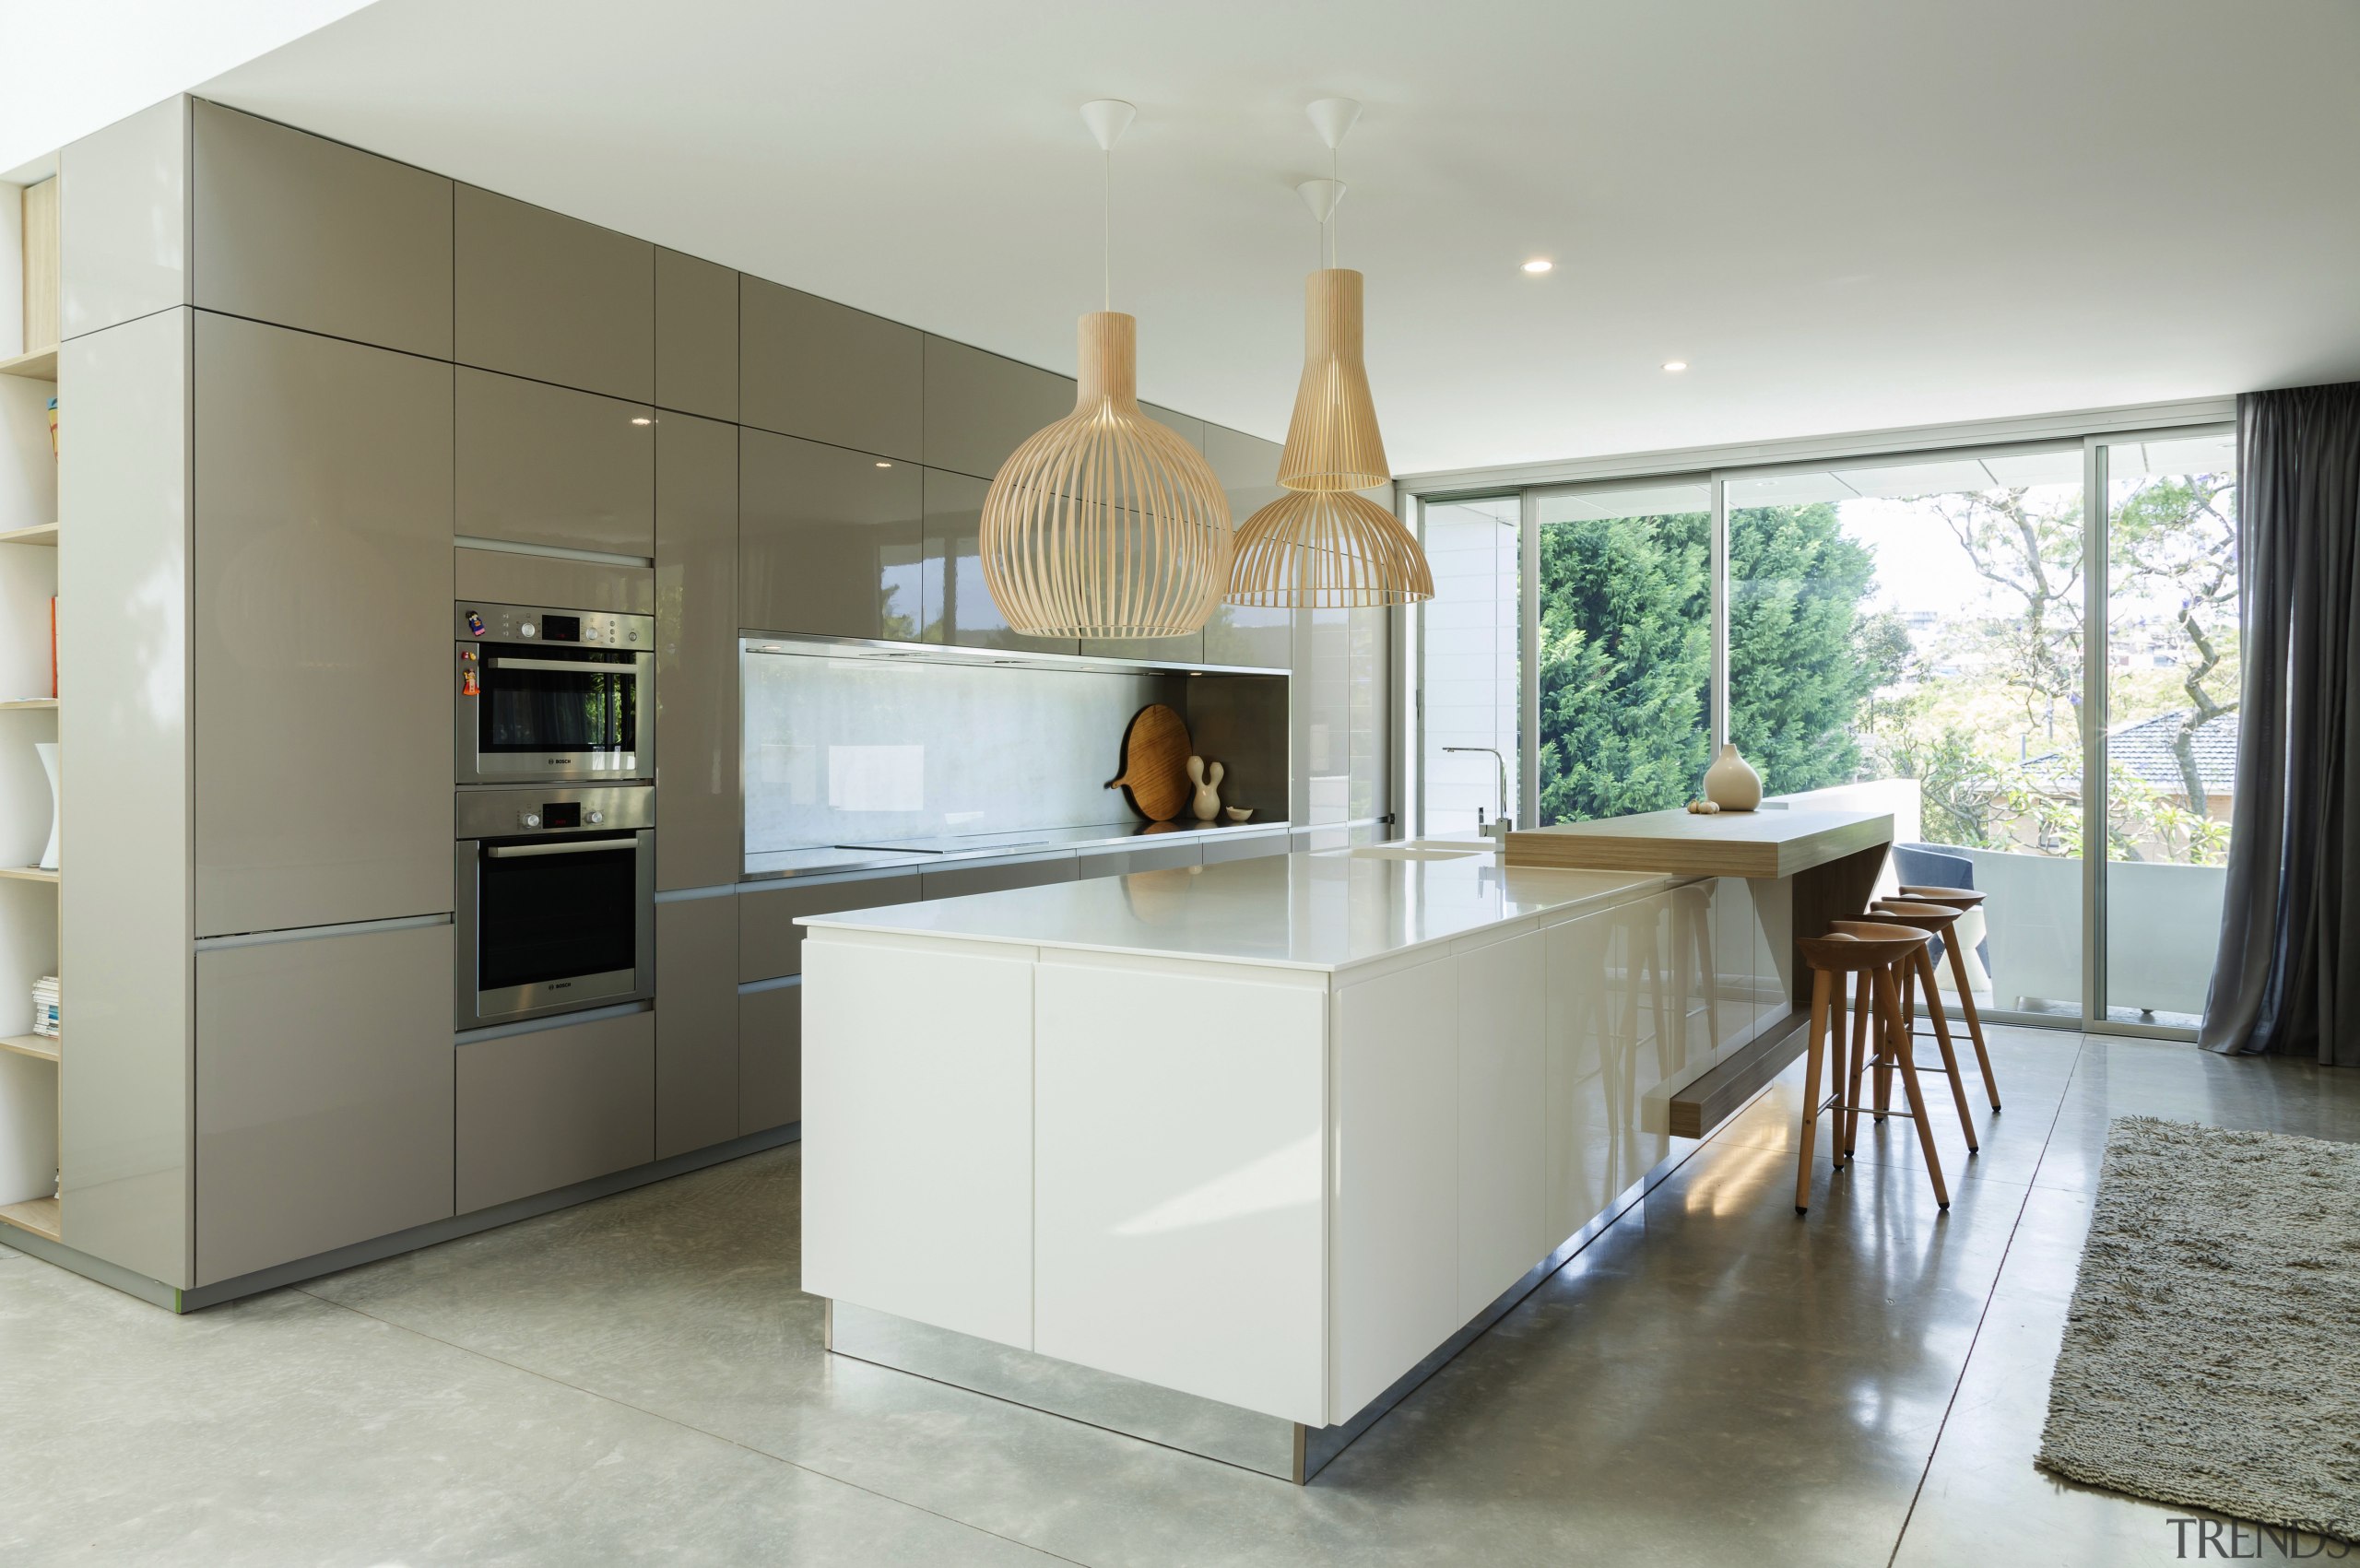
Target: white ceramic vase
[48,750]
[1731,783]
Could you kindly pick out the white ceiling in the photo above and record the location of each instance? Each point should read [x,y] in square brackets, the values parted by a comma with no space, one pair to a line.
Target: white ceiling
[1845,216]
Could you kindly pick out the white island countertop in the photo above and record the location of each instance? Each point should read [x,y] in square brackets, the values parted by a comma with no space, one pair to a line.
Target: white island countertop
[1326,911]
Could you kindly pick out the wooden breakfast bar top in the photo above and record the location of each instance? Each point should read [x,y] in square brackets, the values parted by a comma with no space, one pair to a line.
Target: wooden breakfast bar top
[1771,842]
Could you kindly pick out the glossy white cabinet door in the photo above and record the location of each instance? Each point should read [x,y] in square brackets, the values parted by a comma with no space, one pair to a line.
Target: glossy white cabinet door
[1585,1011]
[1178,1134]
[1652,1035]
[1503,1115]
[917,1130]
[1394,1265]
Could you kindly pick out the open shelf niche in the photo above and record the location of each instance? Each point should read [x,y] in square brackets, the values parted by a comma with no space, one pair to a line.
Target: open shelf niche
[31,1066]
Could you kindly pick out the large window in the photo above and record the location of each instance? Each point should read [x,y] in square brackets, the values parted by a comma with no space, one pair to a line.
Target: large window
[1966,640]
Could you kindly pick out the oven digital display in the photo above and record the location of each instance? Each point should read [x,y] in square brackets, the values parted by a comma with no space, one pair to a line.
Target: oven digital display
[561,814]
[561,628]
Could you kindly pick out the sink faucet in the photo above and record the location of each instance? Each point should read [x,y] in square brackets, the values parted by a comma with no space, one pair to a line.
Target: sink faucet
[1503,827]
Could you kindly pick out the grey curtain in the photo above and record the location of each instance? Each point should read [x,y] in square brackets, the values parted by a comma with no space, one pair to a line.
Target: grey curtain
[2287,977]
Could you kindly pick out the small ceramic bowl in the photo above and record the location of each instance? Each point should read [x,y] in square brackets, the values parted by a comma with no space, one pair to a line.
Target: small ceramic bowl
[1238,813]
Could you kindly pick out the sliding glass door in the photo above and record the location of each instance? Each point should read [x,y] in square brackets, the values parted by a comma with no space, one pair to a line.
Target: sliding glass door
[1964,638]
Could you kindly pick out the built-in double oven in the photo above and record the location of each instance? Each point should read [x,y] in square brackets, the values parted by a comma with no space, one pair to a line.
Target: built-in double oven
[554,813]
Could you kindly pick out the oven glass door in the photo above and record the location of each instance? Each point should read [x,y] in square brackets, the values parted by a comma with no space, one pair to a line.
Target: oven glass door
[536,699]
[557,921]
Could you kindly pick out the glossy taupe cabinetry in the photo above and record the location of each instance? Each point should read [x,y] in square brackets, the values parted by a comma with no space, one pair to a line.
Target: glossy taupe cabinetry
[541,464]
[956,881]
[539,294]
[809,367]
[696,1023]
[957,607]
[554,1107]
[770,1057]
[307,232]
[322,622]
[696,653]
[696,336]
[769,941]
[1245,634]
[980,407]
[324,1085]
[829,540]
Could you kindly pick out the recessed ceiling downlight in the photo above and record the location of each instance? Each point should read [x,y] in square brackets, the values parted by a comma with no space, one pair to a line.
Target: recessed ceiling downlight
[1675,364]
[1539,265]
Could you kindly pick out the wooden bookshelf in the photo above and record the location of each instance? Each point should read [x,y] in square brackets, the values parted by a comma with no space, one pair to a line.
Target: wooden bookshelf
[39,1215]
[44,1046]
[39,534]
[30,703]
[41,365]
[28,874]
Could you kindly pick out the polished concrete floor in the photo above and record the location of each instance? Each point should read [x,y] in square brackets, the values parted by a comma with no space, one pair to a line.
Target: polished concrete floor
[638,1380]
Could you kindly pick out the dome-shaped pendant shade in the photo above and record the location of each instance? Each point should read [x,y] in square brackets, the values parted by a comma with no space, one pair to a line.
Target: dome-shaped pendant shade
[1106,523]
[1327,549]
[1332,442]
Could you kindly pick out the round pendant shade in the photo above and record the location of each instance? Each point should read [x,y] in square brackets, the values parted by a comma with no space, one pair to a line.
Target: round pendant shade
[1106,523]
[1327,549]
[1332,442]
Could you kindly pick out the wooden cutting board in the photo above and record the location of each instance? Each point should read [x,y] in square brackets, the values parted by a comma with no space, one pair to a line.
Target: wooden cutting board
[1155,763]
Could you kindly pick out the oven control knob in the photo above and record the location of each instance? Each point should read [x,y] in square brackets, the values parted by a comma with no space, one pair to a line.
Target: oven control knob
[529,818]
[633,636]
[593,818]
[526,630]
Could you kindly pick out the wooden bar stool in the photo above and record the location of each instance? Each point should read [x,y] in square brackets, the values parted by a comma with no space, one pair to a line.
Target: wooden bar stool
[1935,920]
[1961,900]
[1875,953]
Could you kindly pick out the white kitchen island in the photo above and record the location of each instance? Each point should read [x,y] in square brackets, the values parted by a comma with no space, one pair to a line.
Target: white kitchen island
[1231,1157]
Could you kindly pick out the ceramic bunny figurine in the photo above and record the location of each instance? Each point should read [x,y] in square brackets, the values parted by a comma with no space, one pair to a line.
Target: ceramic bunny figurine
[1206,776]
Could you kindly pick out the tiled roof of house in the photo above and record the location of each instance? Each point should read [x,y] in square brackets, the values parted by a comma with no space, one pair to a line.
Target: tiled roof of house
[2145,750]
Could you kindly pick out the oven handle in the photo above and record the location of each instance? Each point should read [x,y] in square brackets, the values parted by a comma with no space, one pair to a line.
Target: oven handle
[571,846]
[566,666]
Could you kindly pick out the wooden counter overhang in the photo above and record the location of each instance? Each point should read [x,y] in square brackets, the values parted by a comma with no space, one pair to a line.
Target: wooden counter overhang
[1835,858]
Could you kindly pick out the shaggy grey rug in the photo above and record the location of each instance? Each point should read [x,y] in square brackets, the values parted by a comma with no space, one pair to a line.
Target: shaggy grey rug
[2211,1355]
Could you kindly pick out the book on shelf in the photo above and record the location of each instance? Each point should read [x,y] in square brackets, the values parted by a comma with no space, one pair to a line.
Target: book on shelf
[45,1006]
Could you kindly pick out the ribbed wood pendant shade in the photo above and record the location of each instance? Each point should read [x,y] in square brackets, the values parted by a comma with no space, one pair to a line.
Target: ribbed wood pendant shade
[1106,523]
[1327,549]
[1332,442]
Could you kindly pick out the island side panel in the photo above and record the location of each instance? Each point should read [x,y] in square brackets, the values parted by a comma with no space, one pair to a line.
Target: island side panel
[917,1129]
[1180,1142]
[1502,1114]
[1393,1281]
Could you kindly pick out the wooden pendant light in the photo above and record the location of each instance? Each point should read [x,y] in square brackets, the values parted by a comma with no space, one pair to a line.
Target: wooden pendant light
[1332,442]
[1106,523]
[1325,547]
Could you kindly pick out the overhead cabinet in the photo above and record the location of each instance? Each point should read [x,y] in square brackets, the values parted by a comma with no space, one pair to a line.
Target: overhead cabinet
[1258,636]
[321,654]
[980,407]
[540,464]
[543,295]
[958,606]
[829,541]
[310,233]
[811,368]
[696,336]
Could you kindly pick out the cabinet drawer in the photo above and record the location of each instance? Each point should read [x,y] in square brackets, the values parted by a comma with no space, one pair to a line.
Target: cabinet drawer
[956,881]
[769,941]
[542,465]
[1243,847]
[696,1024]
[554,1107]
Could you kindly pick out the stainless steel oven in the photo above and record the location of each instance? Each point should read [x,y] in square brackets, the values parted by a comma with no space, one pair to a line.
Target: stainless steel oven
[556,905]
[553,694]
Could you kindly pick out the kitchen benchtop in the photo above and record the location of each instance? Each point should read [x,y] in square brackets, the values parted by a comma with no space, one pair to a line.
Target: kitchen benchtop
[1329,910]
[1773,841]
[957,849]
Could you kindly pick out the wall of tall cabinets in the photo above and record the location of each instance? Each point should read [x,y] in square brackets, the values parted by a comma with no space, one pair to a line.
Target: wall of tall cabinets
[311,396]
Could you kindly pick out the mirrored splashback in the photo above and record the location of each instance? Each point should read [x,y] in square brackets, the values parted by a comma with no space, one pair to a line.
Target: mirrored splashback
[871,746]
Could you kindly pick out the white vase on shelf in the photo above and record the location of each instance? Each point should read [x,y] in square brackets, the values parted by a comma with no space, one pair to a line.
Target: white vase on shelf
[1731,783]
[48,750]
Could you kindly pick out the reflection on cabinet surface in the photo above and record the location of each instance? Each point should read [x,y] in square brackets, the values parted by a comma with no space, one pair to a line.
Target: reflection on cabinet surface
[306,232]
[696,1023]
[540,464]
[980,407]
[553,1107]
[539,294]
[324,1094]
[958,608]
[829,541]
[321,599]
[770,1057]
[809,367]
